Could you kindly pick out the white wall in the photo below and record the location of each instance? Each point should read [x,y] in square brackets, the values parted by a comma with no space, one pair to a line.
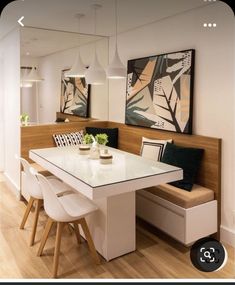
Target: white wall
[10,51]
[49,90]
[214,106]
[2,146]
[28,95]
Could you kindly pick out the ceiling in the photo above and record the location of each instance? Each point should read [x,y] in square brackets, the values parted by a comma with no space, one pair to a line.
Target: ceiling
[60,15]
[41,42]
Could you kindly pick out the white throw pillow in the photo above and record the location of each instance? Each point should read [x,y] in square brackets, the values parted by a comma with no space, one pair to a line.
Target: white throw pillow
[153,149]
[68,139]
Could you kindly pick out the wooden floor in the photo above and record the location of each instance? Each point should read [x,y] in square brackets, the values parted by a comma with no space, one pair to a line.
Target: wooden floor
[157,256]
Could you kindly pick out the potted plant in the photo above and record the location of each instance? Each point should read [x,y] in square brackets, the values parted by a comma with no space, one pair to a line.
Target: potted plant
[101,139]
[24,118]
[88,139]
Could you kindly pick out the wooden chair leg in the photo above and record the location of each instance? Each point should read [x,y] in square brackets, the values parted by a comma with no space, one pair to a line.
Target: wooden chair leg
[89,240]
[70,229]
[57,248]
[77,232]
[38,206]
[26,213]
[45,236]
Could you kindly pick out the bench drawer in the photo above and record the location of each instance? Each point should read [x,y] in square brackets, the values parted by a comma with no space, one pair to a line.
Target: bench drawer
[168,221]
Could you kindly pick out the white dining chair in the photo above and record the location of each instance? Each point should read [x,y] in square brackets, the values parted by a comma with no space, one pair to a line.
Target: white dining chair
[36,196]
[72,208]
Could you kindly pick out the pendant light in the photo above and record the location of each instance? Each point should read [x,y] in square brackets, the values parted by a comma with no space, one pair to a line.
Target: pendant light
[33,76]
[78,69]
[116,69]
[95,74]
[23,83]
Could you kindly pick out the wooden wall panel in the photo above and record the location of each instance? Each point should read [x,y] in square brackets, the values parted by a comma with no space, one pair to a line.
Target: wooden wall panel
[40,136]
[130,139]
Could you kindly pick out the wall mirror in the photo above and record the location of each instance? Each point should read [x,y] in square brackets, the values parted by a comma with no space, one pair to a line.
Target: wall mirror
[50,52]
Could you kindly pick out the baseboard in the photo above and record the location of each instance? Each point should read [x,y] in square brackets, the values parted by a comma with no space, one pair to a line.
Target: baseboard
[227,236]
[11,184]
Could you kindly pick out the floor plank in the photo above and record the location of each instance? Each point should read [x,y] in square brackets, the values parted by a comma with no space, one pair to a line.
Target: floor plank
[157,255]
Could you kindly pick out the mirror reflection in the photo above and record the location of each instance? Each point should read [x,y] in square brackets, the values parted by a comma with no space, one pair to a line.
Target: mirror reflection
[46,89]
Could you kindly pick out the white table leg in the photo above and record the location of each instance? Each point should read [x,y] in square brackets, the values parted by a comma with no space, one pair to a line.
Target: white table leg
[113,225]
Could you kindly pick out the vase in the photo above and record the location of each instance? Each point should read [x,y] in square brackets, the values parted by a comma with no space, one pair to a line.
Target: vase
[95,151]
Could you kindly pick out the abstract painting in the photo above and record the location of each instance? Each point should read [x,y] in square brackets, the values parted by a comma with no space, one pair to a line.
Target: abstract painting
[74,97]
[160,91]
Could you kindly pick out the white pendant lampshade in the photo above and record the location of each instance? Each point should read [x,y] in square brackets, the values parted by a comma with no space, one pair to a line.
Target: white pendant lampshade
[116,69]
[95,74]
[23,83]
[33,76]
[78,69]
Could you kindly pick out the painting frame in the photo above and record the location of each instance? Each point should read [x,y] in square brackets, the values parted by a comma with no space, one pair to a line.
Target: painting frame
[152,78]
[75,97]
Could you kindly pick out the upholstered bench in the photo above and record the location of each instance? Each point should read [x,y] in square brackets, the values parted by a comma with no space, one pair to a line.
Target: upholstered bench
[186,216]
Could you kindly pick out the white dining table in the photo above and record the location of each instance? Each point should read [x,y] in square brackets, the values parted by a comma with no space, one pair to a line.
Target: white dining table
[111,187]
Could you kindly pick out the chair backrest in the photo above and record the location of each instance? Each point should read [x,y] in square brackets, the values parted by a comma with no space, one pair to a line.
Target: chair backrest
[32,185]
[52,205]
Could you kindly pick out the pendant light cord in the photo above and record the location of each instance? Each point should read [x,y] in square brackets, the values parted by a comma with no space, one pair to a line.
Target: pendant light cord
[95,19]
[78,35]
[79,16]
[116,20]
[95,8]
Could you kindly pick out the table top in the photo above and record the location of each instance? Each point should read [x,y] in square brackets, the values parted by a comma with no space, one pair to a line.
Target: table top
[125,166]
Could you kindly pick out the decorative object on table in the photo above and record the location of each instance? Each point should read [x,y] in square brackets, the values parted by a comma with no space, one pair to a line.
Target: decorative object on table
[66,120]
[153,149]
[68,139]
[24,119]
[97,141]
[84,149]
[106,157]
[75,93]
[102,139]
[187,158]
[95,150]
[112,134]
[88,139]
[160,91]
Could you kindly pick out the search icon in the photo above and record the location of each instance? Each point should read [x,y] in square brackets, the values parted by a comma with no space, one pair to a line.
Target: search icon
[207,254]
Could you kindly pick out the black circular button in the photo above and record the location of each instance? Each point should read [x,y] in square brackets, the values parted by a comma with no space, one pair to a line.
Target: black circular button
[208,254]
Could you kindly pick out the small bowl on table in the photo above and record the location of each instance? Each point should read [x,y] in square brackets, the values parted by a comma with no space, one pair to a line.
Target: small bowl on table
[105,157]
[84,149]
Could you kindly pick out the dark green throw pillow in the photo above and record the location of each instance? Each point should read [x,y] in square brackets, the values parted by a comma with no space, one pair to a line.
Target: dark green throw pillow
[111,132]
[188,159]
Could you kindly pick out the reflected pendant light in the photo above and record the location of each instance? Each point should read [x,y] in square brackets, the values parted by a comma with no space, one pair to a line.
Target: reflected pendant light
[116,69]
[78,69]
[33,76]
[95,74]
[23,83]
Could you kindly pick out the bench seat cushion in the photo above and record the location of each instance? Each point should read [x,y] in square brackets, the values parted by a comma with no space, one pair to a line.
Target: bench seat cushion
[184,199]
